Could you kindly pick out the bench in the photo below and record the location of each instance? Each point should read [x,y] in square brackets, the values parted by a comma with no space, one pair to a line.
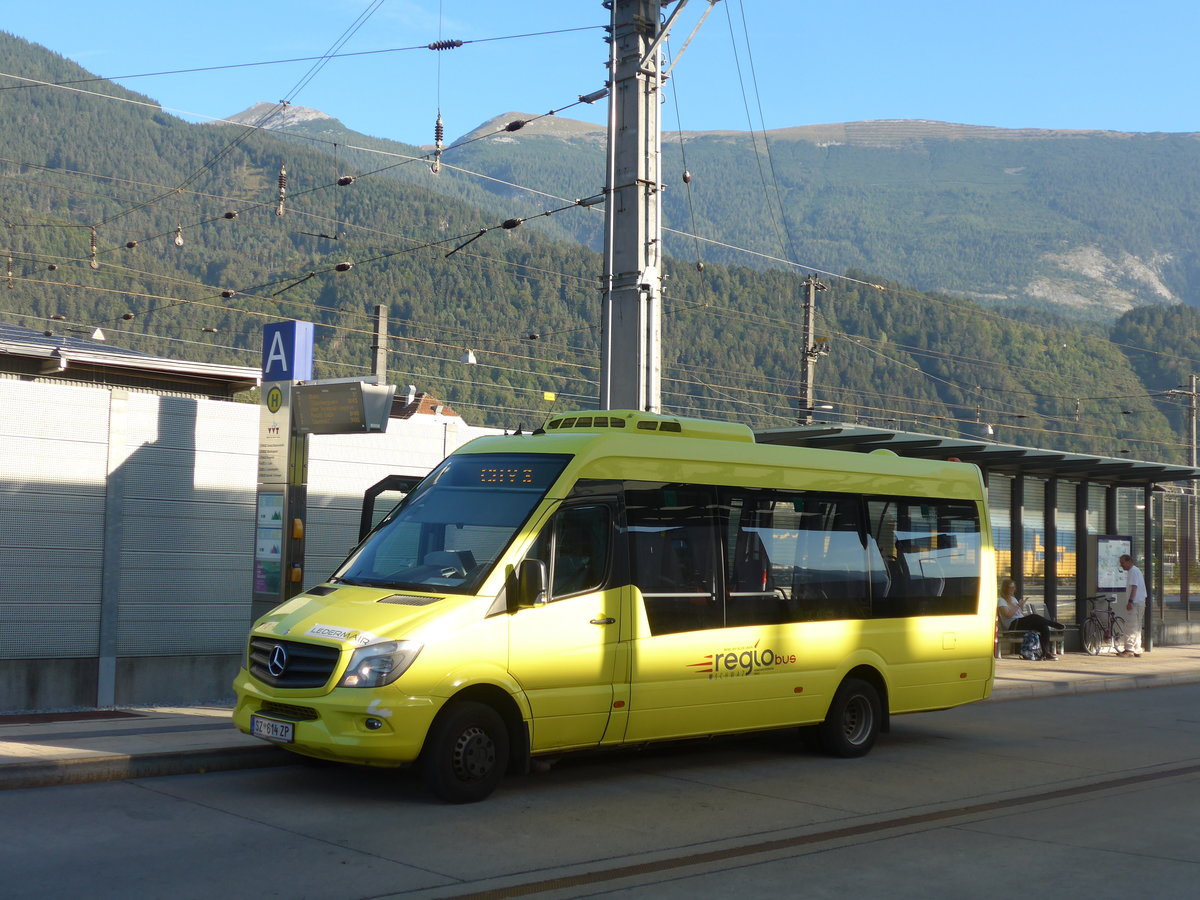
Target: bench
[1009,642]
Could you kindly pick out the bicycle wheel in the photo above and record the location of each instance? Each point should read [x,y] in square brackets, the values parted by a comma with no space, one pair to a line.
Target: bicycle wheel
[1118,634]
[1092,636]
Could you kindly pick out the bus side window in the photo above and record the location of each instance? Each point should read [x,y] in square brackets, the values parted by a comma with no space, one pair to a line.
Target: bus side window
[672,550]
[795,557]
[580,550]
[930,553]
[575,547]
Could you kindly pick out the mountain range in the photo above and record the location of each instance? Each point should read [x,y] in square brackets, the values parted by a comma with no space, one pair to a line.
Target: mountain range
[1089,224]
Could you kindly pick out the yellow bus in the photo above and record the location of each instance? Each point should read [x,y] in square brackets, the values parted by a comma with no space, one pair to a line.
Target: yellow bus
[619,578]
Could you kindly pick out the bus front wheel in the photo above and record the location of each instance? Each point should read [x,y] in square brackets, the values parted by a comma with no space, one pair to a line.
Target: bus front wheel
[466,753]
[853,720]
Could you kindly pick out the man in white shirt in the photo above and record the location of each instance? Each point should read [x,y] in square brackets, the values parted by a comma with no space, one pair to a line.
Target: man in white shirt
[1135,605]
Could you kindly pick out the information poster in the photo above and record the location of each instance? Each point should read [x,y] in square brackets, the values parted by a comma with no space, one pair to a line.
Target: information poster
[1109,550]
[268,543]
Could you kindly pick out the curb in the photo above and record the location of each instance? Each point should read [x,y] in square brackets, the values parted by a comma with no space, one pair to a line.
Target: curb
[117,767]
[1091,685]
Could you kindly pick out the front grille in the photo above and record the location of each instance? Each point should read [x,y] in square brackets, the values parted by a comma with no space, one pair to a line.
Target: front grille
[306,665]
[287,711]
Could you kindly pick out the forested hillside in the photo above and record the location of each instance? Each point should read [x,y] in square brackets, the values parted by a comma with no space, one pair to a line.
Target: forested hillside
[78,168]
[1087,224]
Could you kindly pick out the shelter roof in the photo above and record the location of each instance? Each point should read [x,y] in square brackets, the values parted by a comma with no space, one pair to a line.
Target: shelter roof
[989,456]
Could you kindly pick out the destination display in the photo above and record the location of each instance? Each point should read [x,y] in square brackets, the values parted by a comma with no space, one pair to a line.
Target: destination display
[348,407]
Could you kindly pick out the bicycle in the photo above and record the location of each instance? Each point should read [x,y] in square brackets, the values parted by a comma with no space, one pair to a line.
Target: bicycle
[1103,627]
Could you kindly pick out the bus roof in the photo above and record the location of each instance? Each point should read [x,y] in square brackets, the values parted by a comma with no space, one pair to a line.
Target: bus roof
[605,444]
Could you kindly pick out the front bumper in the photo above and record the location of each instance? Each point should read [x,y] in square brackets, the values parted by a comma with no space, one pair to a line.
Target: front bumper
[334,726]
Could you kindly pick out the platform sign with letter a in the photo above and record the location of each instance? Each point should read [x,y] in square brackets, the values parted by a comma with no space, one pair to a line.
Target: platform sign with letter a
[287,357]
[287,351]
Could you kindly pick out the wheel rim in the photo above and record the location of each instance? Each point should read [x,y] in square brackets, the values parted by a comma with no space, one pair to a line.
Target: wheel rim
[857,720]
[474,755]
[1091,638]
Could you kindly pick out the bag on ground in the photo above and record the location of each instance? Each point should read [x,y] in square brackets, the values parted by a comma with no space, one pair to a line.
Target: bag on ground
[1031,646]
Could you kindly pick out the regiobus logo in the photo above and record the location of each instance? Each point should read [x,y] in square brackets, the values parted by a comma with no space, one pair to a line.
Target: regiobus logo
[734,662]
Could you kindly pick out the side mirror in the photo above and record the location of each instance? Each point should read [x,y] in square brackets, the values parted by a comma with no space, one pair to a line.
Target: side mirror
[531,582]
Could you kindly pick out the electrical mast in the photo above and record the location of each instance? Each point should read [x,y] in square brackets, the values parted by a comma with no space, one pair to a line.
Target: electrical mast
[631,313]
[812,349]
[631,351]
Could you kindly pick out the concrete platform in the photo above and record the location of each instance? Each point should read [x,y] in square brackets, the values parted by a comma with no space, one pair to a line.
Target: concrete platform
[45,749]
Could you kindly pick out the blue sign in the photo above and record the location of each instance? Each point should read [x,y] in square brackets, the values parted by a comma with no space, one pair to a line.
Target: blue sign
[287,351]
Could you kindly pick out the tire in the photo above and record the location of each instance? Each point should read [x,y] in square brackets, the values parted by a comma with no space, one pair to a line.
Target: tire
[465,753]
[1092,636]
[1118,634]
[853,720]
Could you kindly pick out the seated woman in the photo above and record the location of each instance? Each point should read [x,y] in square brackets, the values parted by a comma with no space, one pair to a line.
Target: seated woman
[1015,616]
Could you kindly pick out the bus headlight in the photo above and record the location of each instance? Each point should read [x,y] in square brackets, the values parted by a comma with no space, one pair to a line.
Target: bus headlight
[378,664]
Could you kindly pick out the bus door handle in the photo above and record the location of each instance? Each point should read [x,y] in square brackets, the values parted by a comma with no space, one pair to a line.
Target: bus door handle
[608,620]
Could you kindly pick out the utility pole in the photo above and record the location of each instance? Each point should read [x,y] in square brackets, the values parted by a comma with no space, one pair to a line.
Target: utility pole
[1192,418]
[631,313]
[631,340]
[1192,501]
[379,349]
[1190,393]
[811,349]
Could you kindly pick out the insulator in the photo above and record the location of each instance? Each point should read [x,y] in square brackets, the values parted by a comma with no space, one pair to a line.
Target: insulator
[343,267]
[129,245]
[11,286]
[94,262]
[515,125]
[345,180]
[511,223]
[593,96]
[444,45]
[232,214]
[282,190]
[438,133]
[687,177]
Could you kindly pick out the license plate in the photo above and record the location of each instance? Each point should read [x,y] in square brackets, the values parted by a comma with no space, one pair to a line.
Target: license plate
[272,730]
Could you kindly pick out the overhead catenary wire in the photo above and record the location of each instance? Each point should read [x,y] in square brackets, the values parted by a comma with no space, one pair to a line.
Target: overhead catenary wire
[279,62]
[873,285]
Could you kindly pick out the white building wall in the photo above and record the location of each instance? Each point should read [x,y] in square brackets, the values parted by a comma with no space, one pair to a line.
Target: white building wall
[127,530]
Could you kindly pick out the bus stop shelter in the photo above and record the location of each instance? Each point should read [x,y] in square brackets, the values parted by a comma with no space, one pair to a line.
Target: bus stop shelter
[1044,505]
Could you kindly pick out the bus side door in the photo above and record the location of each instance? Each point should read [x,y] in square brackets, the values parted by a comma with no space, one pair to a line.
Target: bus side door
[564,651]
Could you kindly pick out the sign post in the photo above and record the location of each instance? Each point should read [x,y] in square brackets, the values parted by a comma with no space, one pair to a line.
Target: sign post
[281,499]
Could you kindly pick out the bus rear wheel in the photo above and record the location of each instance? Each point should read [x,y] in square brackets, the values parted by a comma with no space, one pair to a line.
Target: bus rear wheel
[853,720]
[466,753]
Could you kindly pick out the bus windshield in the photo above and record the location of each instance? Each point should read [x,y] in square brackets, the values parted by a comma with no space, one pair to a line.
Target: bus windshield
[452,528]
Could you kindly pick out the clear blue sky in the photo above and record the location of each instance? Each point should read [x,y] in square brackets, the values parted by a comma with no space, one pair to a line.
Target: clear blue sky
[1044,64]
